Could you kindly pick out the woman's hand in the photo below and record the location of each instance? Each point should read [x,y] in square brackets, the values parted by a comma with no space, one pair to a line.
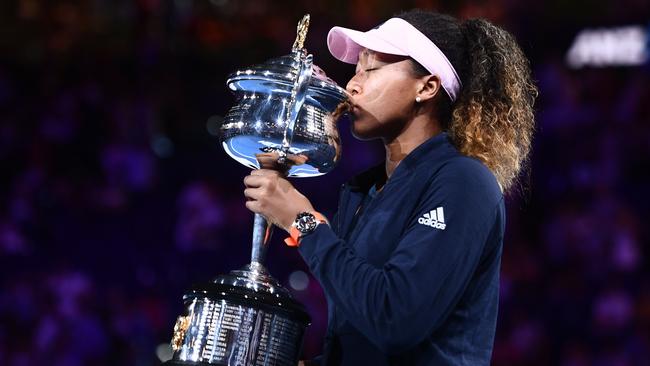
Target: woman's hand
[271,195]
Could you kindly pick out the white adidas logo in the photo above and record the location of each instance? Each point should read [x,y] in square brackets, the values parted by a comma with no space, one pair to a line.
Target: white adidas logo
[435,219]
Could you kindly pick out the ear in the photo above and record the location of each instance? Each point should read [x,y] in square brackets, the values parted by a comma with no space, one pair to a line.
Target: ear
[428,87]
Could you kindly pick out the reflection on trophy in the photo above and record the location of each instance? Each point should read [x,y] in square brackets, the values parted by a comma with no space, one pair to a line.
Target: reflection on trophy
[285,119]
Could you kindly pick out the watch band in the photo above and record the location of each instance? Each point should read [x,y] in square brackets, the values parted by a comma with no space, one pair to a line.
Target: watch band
[294,234]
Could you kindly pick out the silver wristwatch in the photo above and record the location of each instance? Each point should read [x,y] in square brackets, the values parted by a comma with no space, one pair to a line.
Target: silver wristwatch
[305,222]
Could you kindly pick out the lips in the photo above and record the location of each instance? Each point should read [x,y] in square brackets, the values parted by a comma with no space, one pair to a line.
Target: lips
[353,106]
[356,109]
[353,111]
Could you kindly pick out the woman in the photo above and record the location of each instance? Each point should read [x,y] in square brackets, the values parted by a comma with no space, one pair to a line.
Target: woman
[410,263]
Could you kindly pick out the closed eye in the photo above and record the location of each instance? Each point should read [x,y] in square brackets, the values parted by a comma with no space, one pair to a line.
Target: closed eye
[367,70]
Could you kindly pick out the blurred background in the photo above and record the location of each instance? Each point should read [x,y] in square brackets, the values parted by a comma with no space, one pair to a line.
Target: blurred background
[115,196]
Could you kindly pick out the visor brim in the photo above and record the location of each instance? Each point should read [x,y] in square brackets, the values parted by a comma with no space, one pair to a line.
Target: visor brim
[345,44]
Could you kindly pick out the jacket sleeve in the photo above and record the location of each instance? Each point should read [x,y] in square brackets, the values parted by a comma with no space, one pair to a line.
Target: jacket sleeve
[400,304]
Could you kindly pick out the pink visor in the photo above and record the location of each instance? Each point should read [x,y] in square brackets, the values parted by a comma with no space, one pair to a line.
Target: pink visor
[396,36]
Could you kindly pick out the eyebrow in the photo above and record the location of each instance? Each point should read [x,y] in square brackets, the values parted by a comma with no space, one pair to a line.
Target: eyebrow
[363,54]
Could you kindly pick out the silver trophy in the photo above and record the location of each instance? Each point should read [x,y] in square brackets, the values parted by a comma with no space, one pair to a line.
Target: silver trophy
[285,118]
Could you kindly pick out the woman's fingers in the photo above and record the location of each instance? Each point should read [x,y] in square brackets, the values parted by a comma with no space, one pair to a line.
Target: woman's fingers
[253,206]
[254,181]
[265,172]
[260,185]
[268,193]
[252,193]
[259,177]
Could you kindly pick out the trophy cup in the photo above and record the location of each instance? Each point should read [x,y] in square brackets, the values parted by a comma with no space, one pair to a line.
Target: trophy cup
[285,119]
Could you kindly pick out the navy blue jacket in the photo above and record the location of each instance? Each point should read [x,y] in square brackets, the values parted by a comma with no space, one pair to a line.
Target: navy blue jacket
[413,279]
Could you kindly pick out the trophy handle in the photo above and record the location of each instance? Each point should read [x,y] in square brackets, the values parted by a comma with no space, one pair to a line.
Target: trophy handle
[262,230]
[298,96]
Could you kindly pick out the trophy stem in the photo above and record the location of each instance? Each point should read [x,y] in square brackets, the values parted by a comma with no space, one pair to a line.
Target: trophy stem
[262,230]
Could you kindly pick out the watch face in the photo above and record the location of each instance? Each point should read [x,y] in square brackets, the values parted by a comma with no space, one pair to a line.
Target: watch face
[305,222]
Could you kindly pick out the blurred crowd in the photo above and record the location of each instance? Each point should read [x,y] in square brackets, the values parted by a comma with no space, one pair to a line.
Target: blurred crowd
[115,195]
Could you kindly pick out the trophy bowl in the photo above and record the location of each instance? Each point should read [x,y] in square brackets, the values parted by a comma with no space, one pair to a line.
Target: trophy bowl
[284,118]
[282,109]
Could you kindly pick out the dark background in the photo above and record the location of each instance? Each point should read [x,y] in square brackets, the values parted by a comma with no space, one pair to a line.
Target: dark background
[115,196]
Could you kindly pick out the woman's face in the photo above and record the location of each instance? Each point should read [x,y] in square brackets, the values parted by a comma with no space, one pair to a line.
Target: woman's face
[382,93]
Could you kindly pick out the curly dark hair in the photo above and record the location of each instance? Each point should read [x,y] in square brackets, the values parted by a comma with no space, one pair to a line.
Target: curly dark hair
[492,119]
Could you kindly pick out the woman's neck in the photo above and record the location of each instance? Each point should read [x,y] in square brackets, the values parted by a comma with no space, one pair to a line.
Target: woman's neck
[416,131]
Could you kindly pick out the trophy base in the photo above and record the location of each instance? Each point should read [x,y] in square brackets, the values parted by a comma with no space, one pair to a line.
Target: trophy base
[243,318]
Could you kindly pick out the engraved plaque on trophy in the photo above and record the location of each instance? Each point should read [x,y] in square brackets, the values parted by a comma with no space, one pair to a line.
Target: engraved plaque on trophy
[284,118]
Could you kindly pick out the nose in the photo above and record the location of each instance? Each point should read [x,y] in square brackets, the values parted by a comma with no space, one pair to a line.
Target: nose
[353,87]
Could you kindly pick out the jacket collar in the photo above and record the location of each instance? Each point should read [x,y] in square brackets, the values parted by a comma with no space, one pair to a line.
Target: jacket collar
[362,182]
[428,151]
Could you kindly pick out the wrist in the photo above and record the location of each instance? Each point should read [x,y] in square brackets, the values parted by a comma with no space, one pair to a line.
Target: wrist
[304,224]
[290,221]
